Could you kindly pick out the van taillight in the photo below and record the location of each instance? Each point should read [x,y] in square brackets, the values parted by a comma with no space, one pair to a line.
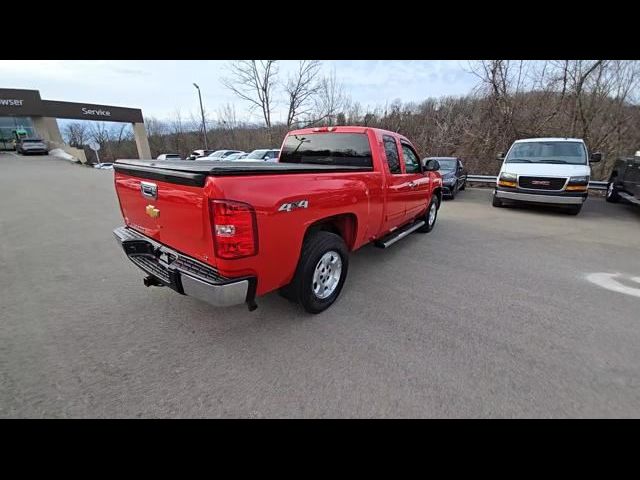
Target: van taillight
[234,229]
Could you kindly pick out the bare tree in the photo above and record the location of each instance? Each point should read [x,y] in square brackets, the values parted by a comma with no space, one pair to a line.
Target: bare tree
[120,134]
[300,90]
[329,100]
[227,117]
[179,128]
[254,82]
[100,133]
[76,134]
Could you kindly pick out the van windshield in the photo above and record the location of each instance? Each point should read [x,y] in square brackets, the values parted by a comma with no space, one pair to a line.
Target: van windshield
[548,152]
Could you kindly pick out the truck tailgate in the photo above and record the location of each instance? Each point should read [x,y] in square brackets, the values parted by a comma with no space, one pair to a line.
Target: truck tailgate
[172,213]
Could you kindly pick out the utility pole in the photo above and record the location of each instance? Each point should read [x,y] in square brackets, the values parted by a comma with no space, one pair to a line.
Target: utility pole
[204,125]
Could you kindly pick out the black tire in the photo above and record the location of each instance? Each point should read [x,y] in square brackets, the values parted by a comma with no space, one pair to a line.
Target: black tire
[464,185]
[300,290]
[496,202]
[612,191]
[427,227]
[454,191]
[574,209]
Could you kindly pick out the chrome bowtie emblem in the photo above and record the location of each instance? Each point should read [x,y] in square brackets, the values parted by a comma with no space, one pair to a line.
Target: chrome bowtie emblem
[152,211]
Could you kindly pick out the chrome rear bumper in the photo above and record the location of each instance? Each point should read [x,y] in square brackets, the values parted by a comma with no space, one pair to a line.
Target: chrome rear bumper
[184,274]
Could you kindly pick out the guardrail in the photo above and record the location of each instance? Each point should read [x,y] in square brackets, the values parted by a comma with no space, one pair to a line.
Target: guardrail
[593,185]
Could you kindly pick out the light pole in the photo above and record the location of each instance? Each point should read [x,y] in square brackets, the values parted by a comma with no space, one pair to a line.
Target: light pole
[204,125]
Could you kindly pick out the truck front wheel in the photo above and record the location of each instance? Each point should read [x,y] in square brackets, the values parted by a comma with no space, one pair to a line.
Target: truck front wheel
[321,272]
[430,216]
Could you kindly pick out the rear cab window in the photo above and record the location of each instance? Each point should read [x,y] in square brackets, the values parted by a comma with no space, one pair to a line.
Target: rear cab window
[391,152]
[331,148]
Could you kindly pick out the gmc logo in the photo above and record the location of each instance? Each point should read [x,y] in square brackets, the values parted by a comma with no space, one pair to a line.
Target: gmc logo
[540,182]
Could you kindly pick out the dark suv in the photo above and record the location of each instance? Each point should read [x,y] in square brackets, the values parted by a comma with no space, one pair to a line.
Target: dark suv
[454,175]
[624,182]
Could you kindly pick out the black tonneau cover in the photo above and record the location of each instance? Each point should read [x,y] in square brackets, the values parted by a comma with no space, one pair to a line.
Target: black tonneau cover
[195,172]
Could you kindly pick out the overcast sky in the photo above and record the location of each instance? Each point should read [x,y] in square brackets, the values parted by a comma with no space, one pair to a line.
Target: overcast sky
[160,87]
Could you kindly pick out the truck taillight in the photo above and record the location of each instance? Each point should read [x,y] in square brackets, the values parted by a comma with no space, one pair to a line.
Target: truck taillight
[234,229]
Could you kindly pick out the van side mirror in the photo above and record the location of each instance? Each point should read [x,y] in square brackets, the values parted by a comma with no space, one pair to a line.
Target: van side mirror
[595,157]
[500,156]
[432,165]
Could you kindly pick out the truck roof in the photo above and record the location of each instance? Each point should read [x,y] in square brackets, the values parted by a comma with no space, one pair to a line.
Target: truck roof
[345,129]
[549,139]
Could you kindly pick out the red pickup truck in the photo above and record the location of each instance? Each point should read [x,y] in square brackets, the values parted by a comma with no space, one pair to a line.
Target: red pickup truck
[227,232]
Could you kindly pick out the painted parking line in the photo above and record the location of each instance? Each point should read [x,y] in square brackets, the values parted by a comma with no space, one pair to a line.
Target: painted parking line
[610,281]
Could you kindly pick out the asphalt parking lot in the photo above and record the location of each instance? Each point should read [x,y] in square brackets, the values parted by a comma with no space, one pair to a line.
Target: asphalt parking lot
[490,315]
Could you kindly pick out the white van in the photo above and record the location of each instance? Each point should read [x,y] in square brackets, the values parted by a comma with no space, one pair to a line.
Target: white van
[554,171]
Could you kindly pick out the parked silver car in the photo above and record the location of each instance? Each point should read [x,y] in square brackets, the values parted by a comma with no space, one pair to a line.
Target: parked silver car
[220,155]
[32,145]
[198,154]
[169,156]
[264,154]
[235,156]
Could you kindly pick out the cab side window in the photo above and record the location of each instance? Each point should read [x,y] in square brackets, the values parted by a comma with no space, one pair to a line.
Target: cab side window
[411,162]
[391,151]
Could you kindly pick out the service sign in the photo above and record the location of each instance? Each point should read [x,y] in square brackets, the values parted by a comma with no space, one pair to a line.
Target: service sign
[85,111]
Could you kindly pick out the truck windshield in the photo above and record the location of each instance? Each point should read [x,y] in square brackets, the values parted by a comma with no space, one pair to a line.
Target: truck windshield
[343,149]
[548,152]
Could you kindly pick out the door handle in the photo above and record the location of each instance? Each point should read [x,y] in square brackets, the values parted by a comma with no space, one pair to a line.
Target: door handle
[412,184]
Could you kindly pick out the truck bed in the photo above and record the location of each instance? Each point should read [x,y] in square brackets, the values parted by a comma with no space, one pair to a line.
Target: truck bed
[195,172]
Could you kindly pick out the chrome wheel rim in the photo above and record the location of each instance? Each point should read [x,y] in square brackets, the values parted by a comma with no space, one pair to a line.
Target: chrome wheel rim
[433,210]
[610,190]
[326,275]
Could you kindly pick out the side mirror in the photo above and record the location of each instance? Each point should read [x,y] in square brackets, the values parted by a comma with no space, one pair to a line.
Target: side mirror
[432,165]
[595,157]
[500,156]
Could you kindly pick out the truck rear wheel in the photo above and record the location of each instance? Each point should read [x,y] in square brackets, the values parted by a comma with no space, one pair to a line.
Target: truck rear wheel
[321,272]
